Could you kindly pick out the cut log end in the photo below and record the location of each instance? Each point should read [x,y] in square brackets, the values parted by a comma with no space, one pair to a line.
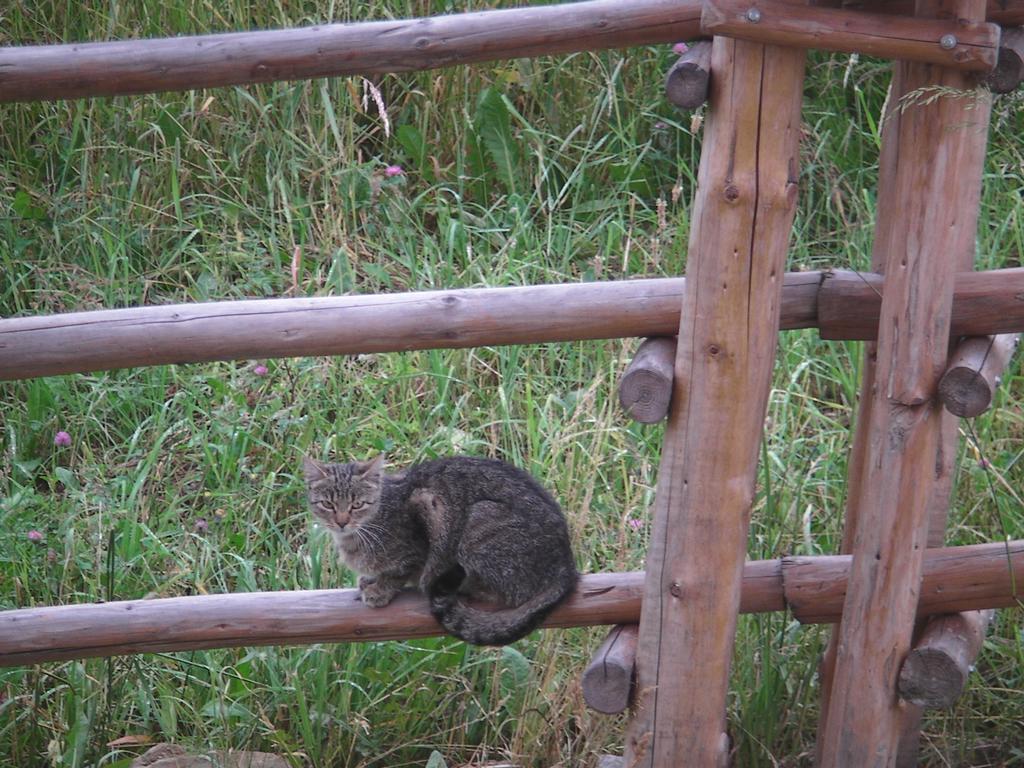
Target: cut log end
[972,376]
[645,395]
[931,678]
[1009,70]
[688,80]
[965,392]
[934,673]
[608,680]
[645,391]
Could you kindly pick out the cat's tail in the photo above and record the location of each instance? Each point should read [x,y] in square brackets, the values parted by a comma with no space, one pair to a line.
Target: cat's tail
[501,627]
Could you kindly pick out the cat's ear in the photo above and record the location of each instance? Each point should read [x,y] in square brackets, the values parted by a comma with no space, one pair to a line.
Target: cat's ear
[373,466]
[314,470]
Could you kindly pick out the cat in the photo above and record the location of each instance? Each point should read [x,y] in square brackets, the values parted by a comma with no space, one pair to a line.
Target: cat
[458,527]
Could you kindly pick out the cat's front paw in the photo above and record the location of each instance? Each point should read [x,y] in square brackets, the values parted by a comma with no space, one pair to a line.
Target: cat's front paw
[375,594]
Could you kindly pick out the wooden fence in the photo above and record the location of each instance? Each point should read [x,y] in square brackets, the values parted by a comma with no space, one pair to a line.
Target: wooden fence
[716,377]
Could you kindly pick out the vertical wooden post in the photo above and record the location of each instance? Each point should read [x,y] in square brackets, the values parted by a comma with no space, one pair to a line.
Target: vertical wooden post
[742,216]
[885,219]
[938,167]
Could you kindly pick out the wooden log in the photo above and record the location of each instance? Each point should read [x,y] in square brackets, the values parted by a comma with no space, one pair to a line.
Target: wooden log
[77,342]
[741,221]
[645,389]
[1007,13]
[78,70]
[950,43]
[934,673]
[1009,71]
[939,155]
[885,220]
[955,579]
[973,373]
[608,680]
[686,84]
[849,304]
[267,328]
[937,511]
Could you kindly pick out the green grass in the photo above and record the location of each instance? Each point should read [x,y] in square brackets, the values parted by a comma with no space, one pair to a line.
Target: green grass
[184,479]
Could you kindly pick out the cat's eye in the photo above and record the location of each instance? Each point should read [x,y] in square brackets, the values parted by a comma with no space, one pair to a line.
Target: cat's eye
[359,505]
[325,508]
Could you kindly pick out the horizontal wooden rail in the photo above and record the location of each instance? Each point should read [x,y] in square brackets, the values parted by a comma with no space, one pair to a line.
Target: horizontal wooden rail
[955,579]
[1004,12]
[79,70]
[86,341]
[82,70]
[849,303]
[952,43]
[844,305]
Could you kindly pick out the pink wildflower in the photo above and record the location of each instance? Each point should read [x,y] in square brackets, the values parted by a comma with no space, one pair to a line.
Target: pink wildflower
[62,438]
[635,523]
[260,370]
[201,526]
[680,48]
[983,463]
[393,170]
[34,536]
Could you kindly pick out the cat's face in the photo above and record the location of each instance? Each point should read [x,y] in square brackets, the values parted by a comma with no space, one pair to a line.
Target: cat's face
[343,496]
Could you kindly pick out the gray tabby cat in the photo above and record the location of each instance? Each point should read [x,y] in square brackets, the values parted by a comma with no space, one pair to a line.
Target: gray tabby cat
[456,527]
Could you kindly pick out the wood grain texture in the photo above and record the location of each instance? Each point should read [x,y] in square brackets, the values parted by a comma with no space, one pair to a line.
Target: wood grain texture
[645,389]
[885,220]
[845,304]
[944,471]
[78,70]
[1008,13]
[955,579]
[607,682]
[940,151]
[86,69]
[687,81]
[848,299]
[974,372]
[934,673]
[266,328]
[975,44]
[740,228]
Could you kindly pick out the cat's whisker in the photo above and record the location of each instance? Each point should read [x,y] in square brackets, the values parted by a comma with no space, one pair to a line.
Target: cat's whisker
[375,530]
[368,540]
[378,536]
